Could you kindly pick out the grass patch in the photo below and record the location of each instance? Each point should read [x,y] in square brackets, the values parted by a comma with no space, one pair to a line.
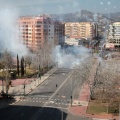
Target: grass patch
[29,71]
[96,108]
[2,74]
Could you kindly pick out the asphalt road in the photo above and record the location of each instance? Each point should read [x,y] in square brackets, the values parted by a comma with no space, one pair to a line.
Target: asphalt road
[47,101]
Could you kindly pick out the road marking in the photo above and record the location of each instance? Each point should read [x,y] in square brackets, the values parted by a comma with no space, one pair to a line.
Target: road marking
[51,102]
[57,107]
[59,88]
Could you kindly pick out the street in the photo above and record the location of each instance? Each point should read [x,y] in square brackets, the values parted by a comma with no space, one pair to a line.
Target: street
[49,101]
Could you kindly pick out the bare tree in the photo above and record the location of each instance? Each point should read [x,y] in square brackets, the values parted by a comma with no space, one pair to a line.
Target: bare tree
[7,60]
[28,60]
[81,74]
[107,83]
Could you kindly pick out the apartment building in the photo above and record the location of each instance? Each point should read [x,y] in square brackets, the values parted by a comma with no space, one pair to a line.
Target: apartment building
[113,38]
[86,30]
[36,30]
[59,32]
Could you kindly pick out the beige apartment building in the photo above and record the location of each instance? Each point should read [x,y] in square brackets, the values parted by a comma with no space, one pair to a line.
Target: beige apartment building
[86,30]
[35,31]
[113,38]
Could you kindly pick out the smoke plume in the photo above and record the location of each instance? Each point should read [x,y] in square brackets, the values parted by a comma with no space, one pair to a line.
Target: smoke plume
[70,57]
[9,33]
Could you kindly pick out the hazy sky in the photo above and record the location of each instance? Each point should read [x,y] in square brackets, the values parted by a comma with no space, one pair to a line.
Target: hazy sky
[61,6]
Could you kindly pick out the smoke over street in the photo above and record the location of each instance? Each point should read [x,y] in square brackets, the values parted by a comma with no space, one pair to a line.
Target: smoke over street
[8,32]
[70,57]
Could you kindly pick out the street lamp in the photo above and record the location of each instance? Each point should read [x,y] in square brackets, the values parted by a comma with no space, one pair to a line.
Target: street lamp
[24,86]
[71,92]
[119,111]
[61,111]
[2,86]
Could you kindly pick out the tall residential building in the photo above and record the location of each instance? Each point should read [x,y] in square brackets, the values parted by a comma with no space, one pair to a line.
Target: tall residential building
[86,30]
[59,32]
[35,31]
[113,39]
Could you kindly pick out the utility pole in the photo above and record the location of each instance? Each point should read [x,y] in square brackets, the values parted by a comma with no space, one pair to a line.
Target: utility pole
[2,86]
[71,92]
[24,86]
[7,82]
[119,111]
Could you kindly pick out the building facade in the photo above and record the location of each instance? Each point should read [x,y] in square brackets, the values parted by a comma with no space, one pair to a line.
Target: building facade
[85,30]
[35,31]
[59,32]
[113,37]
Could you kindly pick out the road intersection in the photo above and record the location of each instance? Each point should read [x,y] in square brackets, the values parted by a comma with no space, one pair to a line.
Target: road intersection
[47,101]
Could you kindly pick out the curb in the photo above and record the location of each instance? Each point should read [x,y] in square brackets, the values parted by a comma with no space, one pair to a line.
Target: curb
[32,89]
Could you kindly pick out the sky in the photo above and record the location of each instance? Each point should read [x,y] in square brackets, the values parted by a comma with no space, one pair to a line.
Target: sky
[30,7]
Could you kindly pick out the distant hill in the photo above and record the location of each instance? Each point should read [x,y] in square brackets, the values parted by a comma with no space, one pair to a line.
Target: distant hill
[114,16]
[86,16]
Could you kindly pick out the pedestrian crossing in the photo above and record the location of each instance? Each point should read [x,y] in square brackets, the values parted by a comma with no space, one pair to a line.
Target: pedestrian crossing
[45,100]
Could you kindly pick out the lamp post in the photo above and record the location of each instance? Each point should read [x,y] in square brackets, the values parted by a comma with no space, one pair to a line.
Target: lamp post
[61,112]
[119,111]
[24,86]
[71,92]
[2,86]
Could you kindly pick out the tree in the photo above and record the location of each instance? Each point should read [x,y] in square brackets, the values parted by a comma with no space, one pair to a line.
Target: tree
[7,64]
[17,65]
[28,60]
[22,66]
[81,74]
[7,60]
[107,83]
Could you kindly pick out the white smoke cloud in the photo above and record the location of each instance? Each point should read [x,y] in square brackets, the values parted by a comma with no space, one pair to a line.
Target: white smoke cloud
[71,57]
[108,3]
[95,16]
[9,32]
[101,3]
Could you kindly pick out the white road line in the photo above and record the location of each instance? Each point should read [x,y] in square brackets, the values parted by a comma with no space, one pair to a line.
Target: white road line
[57,107]
[59,87]
[39,111]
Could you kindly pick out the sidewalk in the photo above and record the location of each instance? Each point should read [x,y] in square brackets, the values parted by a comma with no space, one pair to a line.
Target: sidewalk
[17,88]
[79,107]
